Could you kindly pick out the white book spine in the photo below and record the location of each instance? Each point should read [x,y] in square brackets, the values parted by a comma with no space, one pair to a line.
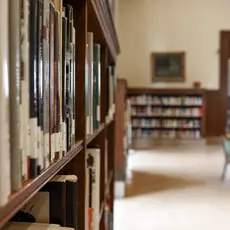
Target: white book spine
[4,105]
[15,93]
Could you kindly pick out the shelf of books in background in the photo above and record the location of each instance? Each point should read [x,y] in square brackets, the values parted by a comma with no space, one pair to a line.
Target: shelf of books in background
[37,89]
[167,116]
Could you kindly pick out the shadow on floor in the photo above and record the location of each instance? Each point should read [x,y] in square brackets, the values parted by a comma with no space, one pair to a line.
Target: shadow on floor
[144,183]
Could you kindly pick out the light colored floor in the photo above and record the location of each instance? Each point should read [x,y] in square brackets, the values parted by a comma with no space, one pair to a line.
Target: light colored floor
[175,188]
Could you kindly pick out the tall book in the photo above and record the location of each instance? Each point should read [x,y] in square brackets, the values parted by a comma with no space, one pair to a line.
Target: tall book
[33,17]
[15,94]
[46,98]
[69,16]
[64,56]
[24,73]
[90,76]
[87,97]
[51,80]
[5,186]
[96,85]
[40,84]
[73,85]
[57,76]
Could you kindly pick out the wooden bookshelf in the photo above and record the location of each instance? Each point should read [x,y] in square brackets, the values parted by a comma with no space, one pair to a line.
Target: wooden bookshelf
[176,113]
[89,16]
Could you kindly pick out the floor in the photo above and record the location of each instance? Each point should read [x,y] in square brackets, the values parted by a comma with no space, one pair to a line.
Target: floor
[175,187]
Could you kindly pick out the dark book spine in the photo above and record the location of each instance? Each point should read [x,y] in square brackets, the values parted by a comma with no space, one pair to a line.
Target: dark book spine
[33,88]
[97,85]
[46,101]
[57,85]
[69,15]
[57,202]
[51,80]
[64,56]
[71,204]
[73,89]
[40,84]
[108,91]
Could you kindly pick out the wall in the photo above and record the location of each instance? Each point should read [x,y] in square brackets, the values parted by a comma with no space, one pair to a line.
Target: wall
[192,26]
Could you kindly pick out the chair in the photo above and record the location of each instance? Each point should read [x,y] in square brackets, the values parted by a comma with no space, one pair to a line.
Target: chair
[226,146]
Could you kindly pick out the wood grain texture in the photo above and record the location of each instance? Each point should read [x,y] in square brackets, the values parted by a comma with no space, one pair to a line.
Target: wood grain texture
[120,160]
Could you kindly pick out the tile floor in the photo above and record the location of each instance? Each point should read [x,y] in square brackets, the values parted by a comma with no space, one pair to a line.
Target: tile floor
[175,188]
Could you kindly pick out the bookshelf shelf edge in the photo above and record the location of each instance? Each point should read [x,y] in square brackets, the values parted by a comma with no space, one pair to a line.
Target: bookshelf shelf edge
[29,190]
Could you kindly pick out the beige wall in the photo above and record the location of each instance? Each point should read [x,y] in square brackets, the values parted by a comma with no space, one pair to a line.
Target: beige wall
[171,25]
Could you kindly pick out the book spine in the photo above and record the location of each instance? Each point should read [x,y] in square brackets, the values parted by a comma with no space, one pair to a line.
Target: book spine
[87,91]
[51,79]
[24,110]
[74,89]
[5,186]
[57,85]
[33,89]
[69,15]
[64,55]
[45,32]
[15,94]
[90,63]
[40,85]
[97,85]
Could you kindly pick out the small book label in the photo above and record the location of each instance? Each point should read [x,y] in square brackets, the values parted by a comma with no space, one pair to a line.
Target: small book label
[98,113]
[87,125]
[73,126]
[52,146]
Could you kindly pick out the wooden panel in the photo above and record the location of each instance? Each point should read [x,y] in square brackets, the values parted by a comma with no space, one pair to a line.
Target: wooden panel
[120,163]
[187,91]
[215,120]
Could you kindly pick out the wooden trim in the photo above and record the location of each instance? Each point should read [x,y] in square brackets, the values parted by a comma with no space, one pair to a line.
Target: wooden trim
[185,91]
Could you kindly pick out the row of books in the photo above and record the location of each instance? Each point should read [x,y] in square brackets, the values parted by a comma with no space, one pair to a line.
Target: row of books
[57,202]
[93,86]
[38,76]
[37,88]
[171,134]
[166,123]
[169,112]
[167,100]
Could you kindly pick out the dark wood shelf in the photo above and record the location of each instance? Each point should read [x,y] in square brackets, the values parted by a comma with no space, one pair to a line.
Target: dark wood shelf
[165,117]
[165,92]
[31,187]
[168,106]
[167,128]
[90,138]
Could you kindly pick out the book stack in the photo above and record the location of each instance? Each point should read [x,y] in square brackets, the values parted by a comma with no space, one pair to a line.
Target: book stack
[37,89]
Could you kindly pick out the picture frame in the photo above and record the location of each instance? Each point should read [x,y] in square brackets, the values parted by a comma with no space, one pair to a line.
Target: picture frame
[168,66]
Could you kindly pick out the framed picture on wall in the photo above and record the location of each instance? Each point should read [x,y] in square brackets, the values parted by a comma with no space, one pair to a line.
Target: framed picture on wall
[168,66]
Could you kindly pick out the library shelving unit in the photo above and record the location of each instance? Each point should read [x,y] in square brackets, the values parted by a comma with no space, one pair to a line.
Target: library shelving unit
[96,17]
[167,113]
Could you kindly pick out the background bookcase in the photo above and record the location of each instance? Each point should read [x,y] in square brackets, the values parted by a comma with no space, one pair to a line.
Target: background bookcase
[96,17]
[167,113]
